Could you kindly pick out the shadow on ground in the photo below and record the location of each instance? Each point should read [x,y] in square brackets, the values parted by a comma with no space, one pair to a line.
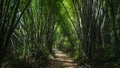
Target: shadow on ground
[62,60]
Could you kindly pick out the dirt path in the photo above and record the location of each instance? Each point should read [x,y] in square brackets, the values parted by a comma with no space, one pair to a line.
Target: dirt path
[62,60]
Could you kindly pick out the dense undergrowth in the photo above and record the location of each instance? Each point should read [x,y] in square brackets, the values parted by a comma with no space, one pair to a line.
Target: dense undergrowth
[87,30]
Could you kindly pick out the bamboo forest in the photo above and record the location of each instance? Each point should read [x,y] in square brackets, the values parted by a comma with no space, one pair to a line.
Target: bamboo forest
[59,33]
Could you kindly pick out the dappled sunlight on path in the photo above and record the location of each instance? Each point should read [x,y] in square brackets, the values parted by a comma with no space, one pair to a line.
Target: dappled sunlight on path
[62,60]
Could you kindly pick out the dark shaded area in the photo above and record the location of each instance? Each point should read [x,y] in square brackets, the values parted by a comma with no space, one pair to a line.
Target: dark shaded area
[87,31]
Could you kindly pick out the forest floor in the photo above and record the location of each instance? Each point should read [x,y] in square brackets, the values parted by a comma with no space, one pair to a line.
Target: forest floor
[62,60]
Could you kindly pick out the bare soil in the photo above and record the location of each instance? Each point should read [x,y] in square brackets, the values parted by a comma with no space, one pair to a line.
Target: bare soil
[62,60]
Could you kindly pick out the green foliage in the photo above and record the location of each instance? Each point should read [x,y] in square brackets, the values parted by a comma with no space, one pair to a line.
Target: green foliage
[87,30]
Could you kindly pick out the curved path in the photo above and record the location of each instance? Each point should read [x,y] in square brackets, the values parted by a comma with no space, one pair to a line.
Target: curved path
[62,60]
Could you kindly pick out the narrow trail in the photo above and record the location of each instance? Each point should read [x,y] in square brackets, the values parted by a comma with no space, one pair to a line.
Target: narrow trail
[62,60]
